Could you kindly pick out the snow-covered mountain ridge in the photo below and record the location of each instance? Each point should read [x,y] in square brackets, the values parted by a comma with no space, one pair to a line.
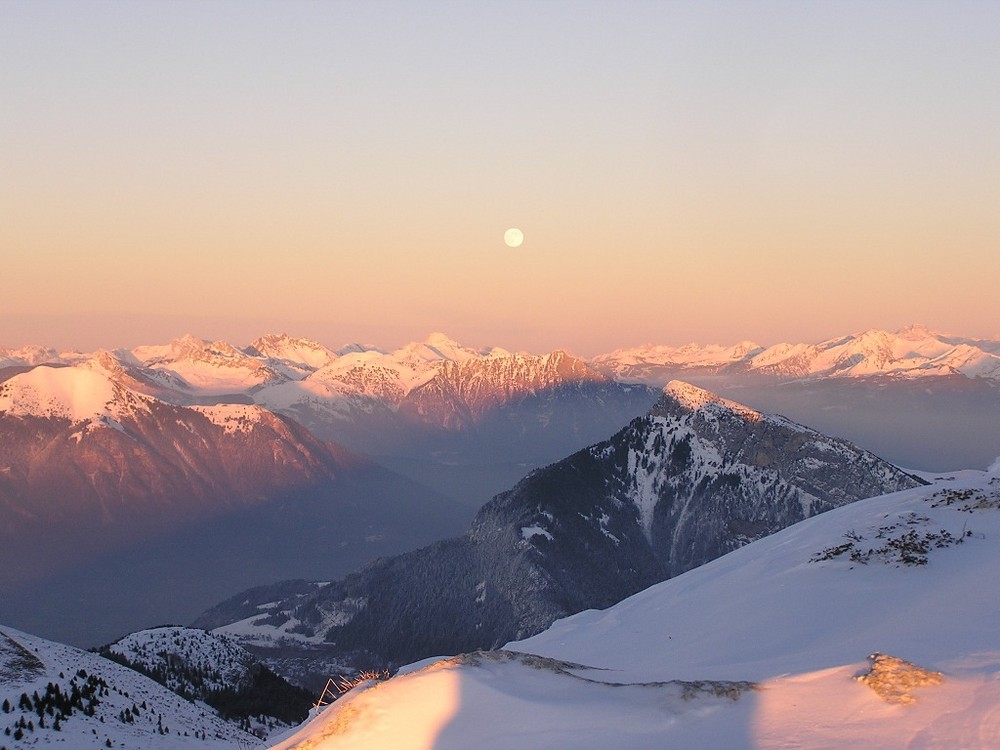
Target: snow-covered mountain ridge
[912,352]
[215,661]
[782,617]
[93,469]
[695,478]
[202,368]
[437,401]
[362,397]
[213,669]
[59,695]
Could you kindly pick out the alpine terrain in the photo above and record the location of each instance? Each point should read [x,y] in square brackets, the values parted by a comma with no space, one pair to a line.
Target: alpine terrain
[466,422]
[129,510]
[695,478]
[52,694]
[873,625]
[917,397]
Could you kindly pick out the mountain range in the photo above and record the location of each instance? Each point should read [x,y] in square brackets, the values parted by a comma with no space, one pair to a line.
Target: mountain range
[470,422]
[148,481]
[912,352]
[139,510]
[194,367]
[121,470]
[697,477]
[872,625]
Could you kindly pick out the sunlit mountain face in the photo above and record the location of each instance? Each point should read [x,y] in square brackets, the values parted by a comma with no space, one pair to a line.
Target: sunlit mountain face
[164,444]
[471,421]
[127,509]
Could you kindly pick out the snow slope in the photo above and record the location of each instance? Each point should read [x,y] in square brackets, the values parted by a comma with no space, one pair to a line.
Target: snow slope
[75,393]
[761,648]
[126,709]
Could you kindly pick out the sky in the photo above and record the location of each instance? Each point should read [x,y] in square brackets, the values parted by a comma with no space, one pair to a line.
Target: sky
[345,171]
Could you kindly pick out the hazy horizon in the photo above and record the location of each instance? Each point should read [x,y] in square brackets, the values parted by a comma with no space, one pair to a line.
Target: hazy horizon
[684,171]
[242,334]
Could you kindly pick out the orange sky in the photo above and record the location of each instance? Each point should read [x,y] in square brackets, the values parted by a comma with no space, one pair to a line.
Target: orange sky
[345,171]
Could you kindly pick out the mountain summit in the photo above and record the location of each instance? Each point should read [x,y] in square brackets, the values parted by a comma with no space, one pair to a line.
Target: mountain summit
[697,477]
[107,494]
[870,626]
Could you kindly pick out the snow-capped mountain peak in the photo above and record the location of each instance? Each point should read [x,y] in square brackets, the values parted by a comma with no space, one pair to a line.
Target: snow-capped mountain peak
[869,626]
[304,355]
[917,332]
[693,398]
[80,393]
[29,356]
[912,352]
[437,347]
[210,368]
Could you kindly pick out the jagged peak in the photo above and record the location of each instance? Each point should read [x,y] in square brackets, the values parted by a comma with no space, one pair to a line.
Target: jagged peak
[271,340]
[564,361]
[188,341]
[109,362]
[691,398]
[438,339]
[916,332]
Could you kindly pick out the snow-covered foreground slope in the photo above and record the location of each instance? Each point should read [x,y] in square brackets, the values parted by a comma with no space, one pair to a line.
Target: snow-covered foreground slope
[96,703]
[761,648]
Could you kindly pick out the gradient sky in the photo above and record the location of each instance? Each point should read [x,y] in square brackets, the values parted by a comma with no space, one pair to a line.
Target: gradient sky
[682,171]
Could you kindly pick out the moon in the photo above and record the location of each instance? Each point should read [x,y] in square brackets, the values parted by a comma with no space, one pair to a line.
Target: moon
[513,237]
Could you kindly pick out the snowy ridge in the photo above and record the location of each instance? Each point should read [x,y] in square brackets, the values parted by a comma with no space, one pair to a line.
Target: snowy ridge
[117,707]
[296,374]
[30,356]
[209,367]
[218,368]
[696,447]
[298,354]
[693,398]
[711,356]
[672,490]
[912,352]
[215,661]
[85,392]
[71,393]
[766,647]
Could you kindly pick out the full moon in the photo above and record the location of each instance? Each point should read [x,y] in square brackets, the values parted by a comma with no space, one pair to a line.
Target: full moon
[513,237]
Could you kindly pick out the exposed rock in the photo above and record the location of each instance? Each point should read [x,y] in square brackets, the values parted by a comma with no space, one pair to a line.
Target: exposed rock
[893,678]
